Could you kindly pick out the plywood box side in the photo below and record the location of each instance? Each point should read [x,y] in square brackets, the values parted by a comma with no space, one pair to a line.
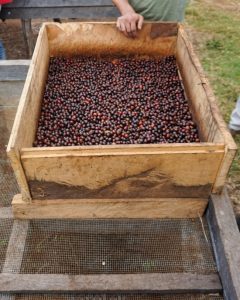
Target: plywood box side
[162,174]
[69,39]
[222,126]
[204,105]
[220,132]
[194,86]
[110,208]
[25,124]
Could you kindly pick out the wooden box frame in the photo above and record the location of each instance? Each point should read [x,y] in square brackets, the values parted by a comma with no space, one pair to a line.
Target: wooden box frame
[122,181]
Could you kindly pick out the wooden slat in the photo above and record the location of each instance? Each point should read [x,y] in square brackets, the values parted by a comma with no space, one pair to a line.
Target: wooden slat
[108,208]
[6,213]
[160,283]
[16,246]
[15,250]
[121,150]
[25,123]
[194,82]
[84,12]
[13,70]
[226,241]
[24,127]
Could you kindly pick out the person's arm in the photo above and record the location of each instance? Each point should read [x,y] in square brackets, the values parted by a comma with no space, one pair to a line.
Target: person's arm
[130,21]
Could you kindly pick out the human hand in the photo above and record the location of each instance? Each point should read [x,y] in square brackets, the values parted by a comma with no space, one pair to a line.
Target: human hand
[129,23]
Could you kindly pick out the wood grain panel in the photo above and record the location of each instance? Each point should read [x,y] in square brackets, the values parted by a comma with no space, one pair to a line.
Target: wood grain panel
[25,123]
[110,208]
[105,38]
[161,283]
[159,175]
[194,81]
[204,105]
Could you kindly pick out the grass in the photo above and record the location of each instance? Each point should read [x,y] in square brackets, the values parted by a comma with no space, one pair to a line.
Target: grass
[216,35]
[3,243]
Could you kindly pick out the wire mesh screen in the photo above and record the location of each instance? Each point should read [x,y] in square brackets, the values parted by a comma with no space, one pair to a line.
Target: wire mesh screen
[115,297]
[117,246]
[7,180]
[5,232]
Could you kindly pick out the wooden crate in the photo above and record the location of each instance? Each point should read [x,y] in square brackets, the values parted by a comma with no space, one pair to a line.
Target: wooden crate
[122,181]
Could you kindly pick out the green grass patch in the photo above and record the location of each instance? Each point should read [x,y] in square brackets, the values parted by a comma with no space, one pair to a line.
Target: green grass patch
[217,41]
[3,243]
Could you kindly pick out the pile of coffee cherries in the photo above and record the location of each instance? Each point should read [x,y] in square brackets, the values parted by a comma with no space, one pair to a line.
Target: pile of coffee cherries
[105,101]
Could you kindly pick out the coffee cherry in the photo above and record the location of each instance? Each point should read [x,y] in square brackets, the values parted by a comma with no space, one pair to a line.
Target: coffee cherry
[103,101]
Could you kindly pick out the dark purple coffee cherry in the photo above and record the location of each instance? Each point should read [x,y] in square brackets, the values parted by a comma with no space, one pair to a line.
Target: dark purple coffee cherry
[103,101]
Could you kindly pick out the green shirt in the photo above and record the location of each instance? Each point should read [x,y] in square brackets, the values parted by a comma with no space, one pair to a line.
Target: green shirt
[160,10]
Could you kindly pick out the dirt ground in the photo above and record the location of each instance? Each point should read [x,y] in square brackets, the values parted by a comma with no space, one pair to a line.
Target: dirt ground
[12,37]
